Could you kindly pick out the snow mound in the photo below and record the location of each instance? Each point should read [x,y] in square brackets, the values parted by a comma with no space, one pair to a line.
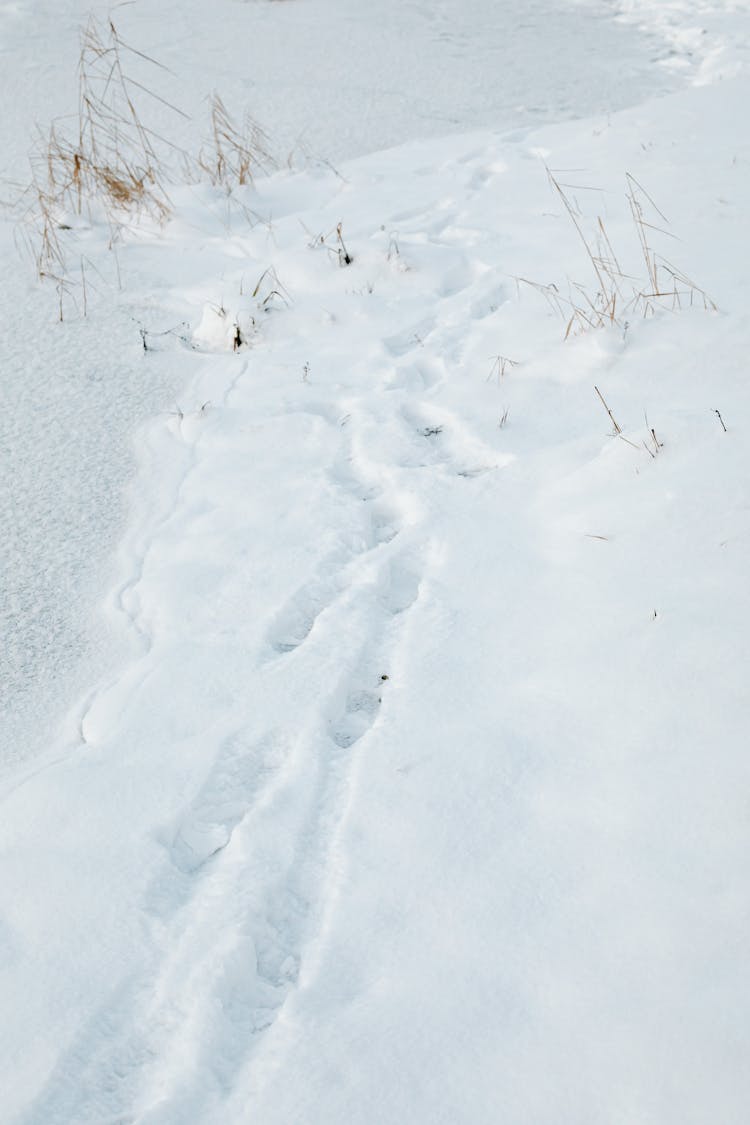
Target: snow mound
[219,330]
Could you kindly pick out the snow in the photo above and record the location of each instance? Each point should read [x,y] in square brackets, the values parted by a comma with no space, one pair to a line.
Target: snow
[62,512]
[409,782]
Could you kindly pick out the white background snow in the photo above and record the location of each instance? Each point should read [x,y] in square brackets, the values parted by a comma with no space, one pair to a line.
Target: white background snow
[373,740]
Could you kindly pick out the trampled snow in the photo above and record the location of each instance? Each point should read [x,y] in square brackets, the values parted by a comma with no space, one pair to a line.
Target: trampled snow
[414,784]
[328,82]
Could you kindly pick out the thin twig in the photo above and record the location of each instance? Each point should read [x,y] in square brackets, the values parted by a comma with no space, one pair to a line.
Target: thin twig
[611,415]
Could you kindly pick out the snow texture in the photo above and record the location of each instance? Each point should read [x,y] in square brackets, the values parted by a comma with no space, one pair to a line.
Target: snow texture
[403,776]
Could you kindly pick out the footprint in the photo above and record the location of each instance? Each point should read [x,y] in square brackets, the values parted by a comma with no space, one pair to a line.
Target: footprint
[417,373]
[456,280]
[488,302]
[486,173]
[360,712]
[294,623]
[454,447]
[412,213]
[410,338]
[241,768]
[386,524]
[462,237]
[328,412]
[479,178]
[401,588]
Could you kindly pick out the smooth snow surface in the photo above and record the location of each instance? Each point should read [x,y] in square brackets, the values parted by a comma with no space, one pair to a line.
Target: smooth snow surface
[412,786]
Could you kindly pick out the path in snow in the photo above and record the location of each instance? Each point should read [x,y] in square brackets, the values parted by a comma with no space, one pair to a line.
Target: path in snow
[375,792]
[292,652]
[343,79]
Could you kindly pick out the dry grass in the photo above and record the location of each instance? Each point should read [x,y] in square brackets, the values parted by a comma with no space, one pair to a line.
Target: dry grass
[106,163]
[269,291]
[500,365]
[116,156]
[612,418]
[333,242]
[615,295]
[234,154]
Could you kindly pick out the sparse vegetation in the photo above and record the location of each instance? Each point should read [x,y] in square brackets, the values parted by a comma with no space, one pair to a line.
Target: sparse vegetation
[334,243]
[612,418]
[617,295]
[108,162]
[500,365]
[109,165]
[234,154]
[269,291]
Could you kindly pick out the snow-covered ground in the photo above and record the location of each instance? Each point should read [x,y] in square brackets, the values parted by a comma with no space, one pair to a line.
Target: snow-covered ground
[328,81]
[413,785]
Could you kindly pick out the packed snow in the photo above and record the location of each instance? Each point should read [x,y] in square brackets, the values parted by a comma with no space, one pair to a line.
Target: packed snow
[376,631]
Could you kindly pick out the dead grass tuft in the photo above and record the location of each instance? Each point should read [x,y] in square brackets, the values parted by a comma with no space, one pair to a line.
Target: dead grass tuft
[106,161]
[615,295]
[235,154]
